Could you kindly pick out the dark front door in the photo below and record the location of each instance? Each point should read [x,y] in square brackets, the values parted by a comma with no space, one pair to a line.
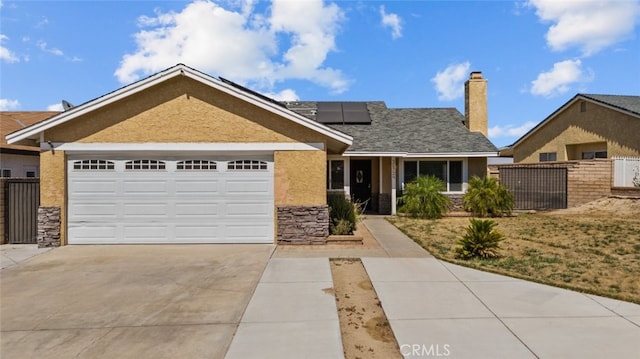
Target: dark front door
[361,182]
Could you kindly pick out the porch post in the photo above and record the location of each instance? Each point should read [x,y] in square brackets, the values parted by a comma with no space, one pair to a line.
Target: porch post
[347,177]
[380,175]
[393,186]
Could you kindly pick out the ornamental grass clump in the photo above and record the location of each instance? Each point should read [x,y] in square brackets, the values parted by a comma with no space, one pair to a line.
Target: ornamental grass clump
[423,198]
[481,240]
[342,215]
[486,197]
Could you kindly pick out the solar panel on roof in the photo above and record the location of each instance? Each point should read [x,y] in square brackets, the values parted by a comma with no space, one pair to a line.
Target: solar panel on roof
[343,113]
[329,113]
[245,89]
[354,106]
[355,112]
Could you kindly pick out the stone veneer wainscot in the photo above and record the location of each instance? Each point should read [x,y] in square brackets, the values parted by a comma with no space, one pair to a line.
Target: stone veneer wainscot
[303,224]
[48,227]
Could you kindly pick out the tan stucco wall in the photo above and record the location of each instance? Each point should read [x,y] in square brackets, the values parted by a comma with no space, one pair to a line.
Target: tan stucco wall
[572,130]
[53,186]
[183,110]
[477,166]
[300,178]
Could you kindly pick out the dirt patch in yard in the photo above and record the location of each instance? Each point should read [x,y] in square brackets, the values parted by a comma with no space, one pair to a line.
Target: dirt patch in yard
[366,333]
[614,206]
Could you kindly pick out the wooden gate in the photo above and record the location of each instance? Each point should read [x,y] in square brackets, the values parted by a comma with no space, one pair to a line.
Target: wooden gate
[22,198]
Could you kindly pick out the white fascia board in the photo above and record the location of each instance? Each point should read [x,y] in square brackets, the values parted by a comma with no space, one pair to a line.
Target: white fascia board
[374,154]
[421,155]
[184,147]
[162,76]
[452,154]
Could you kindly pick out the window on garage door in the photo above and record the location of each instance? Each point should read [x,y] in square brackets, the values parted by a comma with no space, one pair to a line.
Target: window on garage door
[93,165]
[145,165]
[247,165]
[196,165]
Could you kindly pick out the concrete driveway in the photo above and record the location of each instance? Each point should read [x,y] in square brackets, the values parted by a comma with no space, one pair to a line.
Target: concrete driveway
[151,301]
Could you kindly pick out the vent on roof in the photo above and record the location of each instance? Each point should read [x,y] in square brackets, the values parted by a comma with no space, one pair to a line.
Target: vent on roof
[343,113]
[257,94]
[66,105]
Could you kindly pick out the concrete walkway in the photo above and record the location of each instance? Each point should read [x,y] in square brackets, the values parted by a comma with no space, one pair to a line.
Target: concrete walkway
[292,313]
[434,308]
[12,254]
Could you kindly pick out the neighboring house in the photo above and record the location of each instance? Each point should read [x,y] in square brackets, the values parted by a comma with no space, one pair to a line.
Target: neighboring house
[586,127]
[19,160]
[182,157]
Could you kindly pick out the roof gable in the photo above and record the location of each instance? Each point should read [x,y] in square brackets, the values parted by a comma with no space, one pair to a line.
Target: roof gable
[629,105]
[225,86]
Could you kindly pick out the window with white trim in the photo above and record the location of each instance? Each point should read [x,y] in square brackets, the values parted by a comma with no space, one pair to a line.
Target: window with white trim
[6,172]
[93,165]
[335,174]
[145,165]
[247,165]
[196,165]
[449,172]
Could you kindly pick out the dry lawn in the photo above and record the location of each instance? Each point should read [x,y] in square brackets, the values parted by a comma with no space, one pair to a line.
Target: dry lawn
[595,248]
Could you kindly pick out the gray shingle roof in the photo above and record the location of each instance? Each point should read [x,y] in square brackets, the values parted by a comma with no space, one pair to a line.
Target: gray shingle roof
[628,103]
[410,130]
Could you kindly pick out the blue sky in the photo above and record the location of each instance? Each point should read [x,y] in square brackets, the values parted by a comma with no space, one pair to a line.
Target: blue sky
[536,54]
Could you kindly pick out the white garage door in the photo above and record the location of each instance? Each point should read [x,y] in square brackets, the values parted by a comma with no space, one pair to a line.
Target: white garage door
[150,200]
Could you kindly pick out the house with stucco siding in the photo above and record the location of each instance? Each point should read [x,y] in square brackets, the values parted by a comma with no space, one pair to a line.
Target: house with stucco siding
[183,157]
[588,126]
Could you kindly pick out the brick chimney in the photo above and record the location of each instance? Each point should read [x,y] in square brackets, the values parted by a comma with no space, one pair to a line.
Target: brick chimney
[476,117]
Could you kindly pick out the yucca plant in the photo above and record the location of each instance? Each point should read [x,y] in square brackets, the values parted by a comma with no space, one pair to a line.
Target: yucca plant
[423,198]
[486,197]
[480,240]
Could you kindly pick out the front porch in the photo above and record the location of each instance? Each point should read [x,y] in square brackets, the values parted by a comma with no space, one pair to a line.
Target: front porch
[378,181]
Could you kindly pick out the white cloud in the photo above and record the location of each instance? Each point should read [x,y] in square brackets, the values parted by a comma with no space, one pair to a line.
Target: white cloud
[6,104]
[449,83]
[510,130]
[6,54]
[392,21]
[284,95]
[242,44]
[55,107]
[52,50]
[587,24]
[559,79]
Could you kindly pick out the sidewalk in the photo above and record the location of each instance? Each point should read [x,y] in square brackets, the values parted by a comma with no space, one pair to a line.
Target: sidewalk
[434,308]
[437,307]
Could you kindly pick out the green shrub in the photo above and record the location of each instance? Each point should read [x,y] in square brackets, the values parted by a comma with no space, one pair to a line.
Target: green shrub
[342,215]
[423,198]
[480,240]
[486,197]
